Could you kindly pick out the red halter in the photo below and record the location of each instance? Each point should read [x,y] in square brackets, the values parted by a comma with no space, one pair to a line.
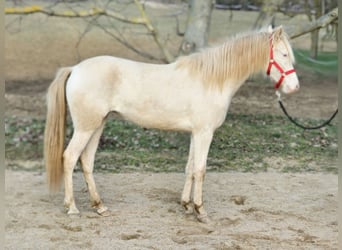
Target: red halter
[279,68]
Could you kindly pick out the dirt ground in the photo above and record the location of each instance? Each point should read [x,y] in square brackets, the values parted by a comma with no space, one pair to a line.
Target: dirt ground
[281,211]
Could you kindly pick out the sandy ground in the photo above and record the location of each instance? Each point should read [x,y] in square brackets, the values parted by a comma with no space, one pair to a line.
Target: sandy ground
[281,211]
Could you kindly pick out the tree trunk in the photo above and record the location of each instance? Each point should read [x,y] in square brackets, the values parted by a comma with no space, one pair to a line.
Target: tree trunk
[197,30]
[315,34]
[267,14]
[314,44]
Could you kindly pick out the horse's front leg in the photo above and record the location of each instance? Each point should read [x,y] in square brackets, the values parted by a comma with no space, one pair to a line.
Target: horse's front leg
[202,141]
[186,195]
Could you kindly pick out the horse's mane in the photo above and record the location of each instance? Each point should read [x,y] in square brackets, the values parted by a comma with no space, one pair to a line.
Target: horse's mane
[235,59]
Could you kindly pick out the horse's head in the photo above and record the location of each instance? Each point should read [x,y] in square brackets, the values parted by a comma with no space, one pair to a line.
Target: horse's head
[280,66]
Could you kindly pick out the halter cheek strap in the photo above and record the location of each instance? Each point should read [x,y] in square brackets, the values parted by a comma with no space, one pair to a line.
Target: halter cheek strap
[279,68]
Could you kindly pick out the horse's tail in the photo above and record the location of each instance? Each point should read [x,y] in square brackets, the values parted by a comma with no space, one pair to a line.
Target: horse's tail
[54,135]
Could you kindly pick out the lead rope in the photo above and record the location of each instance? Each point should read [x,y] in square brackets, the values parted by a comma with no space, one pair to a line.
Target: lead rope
[300,125]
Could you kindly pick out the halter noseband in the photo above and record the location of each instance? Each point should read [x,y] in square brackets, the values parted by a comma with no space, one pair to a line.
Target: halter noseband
[279,68]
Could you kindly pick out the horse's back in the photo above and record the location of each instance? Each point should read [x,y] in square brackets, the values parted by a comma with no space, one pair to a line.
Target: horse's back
[113,70]
[106,76]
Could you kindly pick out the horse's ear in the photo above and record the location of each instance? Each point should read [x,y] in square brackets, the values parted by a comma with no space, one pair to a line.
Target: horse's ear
[270,29]
[277,33]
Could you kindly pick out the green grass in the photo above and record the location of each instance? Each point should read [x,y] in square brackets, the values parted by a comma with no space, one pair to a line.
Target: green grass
[245,143]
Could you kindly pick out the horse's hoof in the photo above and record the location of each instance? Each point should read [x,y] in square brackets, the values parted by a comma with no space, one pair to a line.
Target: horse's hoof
[73,211]
[103,211]
[189,208]
[203,218]
[189,211]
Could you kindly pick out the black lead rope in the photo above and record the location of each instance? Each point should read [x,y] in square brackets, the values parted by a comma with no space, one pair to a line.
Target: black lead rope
[300,125]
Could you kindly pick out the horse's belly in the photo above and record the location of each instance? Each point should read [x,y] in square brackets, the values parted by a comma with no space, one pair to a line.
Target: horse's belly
[149,118]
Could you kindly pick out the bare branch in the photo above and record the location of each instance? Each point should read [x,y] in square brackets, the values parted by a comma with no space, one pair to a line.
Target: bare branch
[84,33]
[96,12]
[298,30]
[121,39]
[168,56]
[14,26]
[74,14]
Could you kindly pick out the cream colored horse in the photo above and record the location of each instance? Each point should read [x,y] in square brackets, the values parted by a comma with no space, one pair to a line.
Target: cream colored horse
[192,94]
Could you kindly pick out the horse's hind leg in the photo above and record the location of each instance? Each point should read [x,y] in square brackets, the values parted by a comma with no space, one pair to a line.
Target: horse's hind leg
[87,162]
[70,156]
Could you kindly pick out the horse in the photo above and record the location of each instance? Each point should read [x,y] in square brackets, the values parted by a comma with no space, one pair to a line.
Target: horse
[191,94]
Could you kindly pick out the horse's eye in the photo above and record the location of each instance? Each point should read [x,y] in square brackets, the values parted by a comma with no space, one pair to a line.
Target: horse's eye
[284,55]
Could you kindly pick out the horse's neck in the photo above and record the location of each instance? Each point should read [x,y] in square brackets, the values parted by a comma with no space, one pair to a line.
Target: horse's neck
[248,56]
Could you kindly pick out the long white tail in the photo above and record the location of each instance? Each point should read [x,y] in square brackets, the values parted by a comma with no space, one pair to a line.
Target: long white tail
[54,135]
